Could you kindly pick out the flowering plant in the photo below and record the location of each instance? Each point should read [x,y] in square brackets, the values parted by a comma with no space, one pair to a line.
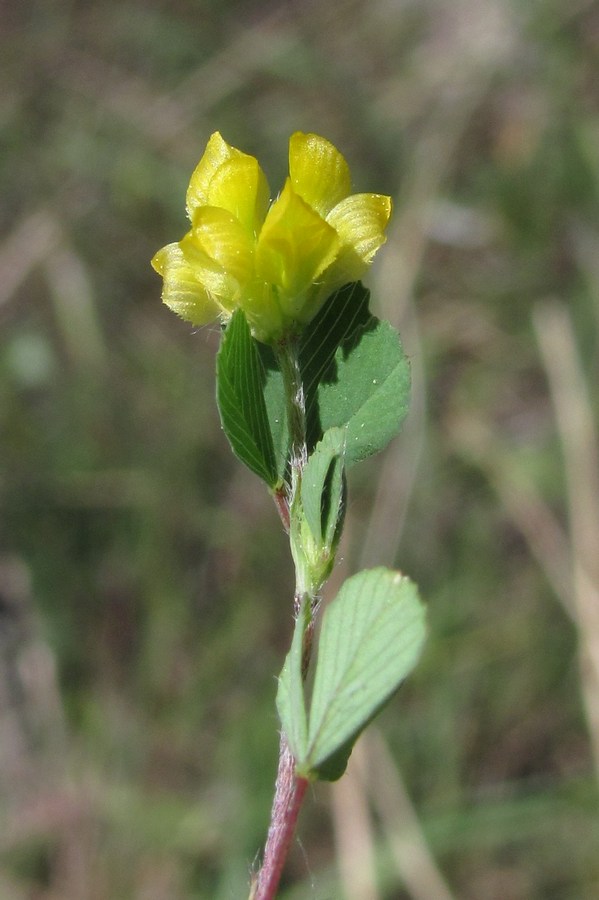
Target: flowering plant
[309,382]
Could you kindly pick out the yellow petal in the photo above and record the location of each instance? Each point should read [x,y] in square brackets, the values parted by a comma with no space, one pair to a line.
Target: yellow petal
[223,239]
[239,185]
[318,171]
[360,222]
[218,283]
[295,244]
[181,290]
[216,153]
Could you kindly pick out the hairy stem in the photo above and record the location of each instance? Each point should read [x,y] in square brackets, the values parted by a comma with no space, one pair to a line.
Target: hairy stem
[288,359]
[289,787]
[289,794]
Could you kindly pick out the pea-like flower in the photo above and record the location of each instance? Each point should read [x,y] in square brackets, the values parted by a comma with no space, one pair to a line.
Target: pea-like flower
[278,261]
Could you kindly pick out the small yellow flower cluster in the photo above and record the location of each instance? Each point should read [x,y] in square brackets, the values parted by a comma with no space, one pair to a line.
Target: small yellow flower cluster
[278,261]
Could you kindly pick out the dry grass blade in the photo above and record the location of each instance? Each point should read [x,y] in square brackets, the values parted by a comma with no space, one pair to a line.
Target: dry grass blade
[412,856]
[580,446]
[528,512]
[354,831]
[31,242]
[75,306]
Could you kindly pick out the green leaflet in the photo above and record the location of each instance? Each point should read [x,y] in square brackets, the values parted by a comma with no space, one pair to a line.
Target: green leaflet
[356,375]
[372,635]
[241,380]
[274,398]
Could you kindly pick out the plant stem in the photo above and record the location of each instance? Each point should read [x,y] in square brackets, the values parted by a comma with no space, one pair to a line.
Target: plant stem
[289,794]
[289,788]
[287,357]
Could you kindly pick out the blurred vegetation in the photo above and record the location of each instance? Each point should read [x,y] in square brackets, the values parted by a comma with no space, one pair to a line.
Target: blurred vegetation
[144,580]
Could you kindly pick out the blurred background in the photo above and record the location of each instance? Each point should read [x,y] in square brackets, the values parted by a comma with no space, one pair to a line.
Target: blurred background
[145,583]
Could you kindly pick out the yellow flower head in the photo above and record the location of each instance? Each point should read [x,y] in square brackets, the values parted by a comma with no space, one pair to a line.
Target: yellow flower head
[277,261]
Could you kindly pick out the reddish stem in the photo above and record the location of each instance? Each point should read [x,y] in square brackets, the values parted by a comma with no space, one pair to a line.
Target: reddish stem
[282,503]
[289,794]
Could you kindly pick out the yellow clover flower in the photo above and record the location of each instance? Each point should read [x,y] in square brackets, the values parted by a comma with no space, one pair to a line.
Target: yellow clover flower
[280,261]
